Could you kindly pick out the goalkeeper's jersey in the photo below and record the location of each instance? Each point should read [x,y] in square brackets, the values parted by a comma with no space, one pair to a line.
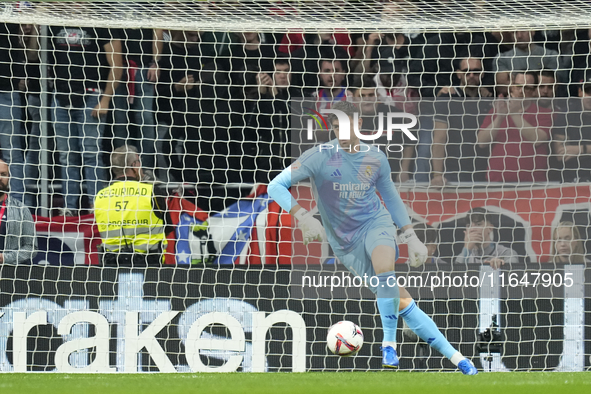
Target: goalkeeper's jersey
[345,185]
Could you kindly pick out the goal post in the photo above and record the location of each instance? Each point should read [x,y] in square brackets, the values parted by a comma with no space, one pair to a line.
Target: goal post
[216,98]
[309,15]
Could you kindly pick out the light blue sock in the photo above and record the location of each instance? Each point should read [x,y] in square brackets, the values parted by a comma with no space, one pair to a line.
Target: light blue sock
[388,304]
[426,329]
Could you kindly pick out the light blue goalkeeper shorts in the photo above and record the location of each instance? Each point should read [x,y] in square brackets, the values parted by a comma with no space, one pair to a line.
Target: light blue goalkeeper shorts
[358,260]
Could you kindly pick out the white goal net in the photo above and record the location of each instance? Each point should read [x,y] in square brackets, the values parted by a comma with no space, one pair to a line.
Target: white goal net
[201,104]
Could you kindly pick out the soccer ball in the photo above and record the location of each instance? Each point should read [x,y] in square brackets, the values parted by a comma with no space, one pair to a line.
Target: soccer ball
[344,338]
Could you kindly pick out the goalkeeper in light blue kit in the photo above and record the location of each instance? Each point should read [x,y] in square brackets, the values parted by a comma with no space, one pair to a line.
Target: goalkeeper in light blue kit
[345,175]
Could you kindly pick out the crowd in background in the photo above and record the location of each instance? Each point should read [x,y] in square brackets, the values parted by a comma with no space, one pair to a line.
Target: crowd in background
[213,108]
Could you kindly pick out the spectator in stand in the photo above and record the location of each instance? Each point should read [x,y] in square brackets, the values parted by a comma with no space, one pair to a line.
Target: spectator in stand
[571,140]
[21,68]
[269,121]
[390,63]
[581,60]
[459,112]
[518,131]
[526,55]
[179,65]
[370,105]
[400,159]
[275,86]
[433,68]
[562,41]
[393,86]
[31,88]
[133,103]
[386,57]
[567,245]
[364,55]
[250,56]
[18,243]
[204,153]
[306,61]
[333,79]
[547,89]
[375,47]
[87,66]
[479,246]
[467,80]
[496,43]
[218,43]
[12,76]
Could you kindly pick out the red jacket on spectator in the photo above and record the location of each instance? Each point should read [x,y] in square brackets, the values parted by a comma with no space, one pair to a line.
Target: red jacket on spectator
[514,159]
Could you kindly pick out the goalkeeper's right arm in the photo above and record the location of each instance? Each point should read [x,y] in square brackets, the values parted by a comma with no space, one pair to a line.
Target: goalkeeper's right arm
[278,190]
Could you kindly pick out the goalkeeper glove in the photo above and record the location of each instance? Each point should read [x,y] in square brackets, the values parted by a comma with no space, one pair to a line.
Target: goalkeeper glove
[417,251]
[311,227]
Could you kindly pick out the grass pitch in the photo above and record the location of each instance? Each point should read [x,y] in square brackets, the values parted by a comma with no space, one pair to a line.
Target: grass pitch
[301,383]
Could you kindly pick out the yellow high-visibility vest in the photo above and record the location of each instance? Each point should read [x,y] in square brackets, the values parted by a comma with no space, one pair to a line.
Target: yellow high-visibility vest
[125,219]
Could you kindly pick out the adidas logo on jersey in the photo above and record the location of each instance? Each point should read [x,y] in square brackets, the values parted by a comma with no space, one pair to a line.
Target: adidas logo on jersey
[336,173]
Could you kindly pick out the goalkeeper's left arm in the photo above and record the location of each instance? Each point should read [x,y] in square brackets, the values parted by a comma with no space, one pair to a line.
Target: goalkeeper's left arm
[417,251]
[278,190]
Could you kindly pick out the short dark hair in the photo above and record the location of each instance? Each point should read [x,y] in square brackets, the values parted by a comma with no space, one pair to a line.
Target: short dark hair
[334,54]
[457,63]
[367,82]
[425,233]
[534,74]
[334,60]
[548,73]
[347,107]
[282,60]
[477,215]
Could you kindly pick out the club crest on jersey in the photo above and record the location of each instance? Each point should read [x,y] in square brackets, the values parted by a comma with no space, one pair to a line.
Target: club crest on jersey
[368,171]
